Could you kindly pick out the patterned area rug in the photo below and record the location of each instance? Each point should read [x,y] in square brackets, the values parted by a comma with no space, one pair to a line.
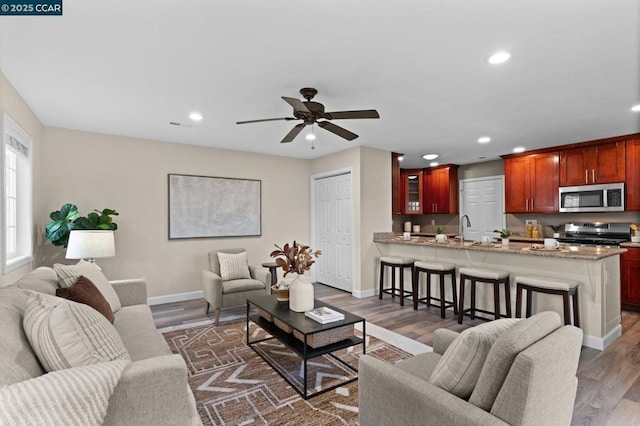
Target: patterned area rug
[234,386]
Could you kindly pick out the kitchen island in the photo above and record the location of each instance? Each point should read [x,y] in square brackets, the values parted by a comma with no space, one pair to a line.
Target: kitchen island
[598,270]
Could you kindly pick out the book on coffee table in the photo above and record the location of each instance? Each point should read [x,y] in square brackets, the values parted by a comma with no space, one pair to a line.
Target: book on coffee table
[324,315]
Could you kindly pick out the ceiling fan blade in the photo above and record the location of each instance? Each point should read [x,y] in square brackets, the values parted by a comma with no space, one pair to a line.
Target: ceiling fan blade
[293,133]
[265,119]
[343,133]
[297,104]
[341,115]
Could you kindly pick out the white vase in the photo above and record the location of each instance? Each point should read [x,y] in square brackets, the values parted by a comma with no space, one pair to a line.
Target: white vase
[505,242]
[300,293]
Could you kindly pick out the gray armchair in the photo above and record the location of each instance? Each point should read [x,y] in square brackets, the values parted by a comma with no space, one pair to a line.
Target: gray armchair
[525,380]
[222,294]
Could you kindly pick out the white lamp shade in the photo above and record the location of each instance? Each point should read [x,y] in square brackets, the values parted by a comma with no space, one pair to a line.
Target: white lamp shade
[90,244]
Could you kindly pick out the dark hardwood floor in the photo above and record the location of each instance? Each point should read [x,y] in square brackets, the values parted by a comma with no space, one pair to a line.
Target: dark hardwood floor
[608,381]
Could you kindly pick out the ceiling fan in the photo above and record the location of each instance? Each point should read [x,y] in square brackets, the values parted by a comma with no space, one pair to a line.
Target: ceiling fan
[310,112]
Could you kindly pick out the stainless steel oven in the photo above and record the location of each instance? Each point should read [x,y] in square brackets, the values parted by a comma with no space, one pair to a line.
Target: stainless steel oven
[592,198]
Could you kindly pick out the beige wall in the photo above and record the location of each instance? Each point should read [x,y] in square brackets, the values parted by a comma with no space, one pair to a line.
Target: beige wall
[14,105]
[96,171]
[371,177]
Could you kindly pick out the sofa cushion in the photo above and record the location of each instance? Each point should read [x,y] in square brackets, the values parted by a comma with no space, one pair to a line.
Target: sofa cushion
[18,362]
[504,351]
[84,291]
[42,280]
[421,365]
[459,368]
[69,274]
[138,332]
[66,334]
[233,266]
[78,396]
[235,286]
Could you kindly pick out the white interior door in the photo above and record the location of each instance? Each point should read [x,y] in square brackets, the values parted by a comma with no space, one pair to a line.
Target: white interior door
[332,229]
[483,201]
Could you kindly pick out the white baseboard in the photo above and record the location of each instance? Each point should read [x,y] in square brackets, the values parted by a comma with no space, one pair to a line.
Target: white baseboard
[600,343]
[358,294]
[178,297]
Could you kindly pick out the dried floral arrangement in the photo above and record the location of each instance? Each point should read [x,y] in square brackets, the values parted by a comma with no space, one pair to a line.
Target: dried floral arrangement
[296,257]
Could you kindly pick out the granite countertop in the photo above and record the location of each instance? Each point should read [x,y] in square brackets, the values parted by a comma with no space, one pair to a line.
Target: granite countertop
[571,252]
[631,245]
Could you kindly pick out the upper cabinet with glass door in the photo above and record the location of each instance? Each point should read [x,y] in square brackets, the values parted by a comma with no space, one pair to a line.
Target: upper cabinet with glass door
[412,181]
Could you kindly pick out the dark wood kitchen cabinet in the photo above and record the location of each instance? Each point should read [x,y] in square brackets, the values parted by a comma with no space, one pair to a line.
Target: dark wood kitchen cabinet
[441,190]
[531,183]
[411,181]
[600,163]
[630,279]
[632,181]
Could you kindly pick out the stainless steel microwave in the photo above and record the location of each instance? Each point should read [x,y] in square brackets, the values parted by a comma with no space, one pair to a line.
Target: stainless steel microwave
[592,198]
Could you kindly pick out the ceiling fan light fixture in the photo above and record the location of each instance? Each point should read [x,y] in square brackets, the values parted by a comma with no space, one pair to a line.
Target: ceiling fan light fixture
[196,116]
[499,57]
[430,156]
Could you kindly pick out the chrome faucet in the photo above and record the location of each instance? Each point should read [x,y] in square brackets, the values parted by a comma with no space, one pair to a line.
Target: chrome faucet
[462,226]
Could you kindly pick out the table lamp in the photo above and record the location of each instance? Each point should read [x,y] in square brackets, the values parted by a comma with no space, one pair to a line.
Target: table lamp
[90,244]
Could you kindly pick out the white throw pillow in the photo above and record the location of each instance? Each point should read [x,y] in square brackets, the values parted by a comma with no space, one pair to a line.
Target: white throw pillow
[458,370]
[69,274]
[65,334]
[233,266]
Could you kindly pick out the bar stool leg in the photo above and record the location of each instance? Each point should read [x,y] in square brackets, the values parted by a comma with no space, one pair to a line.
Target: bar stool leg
[442,296]
[393,281]
[528,312]
[496,300]
[428,288]
[461,308]
[473,298]
[415,277]
[566,308]
[518,301]
[381,280]
[453,290]
[507,297]
[576,309]
[401,285]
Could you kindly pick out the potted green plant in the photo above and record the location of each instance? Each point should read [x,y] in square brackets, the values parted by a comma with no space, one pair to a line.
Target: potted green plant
[440,235]
[66,219]
[504,235]
[556,230]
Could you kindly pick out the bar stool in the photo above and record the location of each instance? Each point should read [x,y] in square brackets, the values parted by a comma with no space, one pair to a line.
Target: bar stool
[549,285]
[394,263]
[489,276]
[440,269]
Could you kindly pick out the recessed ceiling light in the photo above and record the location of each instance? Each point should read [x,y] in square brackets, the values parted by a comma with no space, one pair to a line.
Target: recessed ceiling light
[196,116]
[499,57]
[310,137]
[430,156]
[518,149]
[433,163]
[484,139]
[412,177]
[635,108]
[401,158]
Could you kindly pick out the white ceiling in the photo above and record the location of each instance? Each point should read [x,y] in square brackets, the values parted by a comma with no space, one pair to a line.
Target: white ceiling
[129,67]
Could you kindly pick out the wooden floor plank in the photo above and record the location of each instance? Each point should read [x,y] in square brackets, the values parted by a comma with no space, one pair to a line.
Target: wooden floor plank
[608,381]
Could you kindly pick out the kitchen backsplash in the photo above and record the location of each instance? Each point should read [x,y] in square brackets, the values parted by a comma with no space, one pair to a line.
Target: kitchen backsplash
[516,223]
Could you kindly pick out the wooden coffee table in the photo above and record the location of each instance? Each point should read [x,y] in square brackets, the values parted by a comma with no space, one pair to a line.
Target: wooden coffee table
[306,329]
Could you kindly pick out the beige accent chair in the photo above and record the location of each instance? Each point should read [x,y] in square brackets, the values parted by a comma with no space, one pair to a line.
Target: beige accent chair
[528,378]
[222,294]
